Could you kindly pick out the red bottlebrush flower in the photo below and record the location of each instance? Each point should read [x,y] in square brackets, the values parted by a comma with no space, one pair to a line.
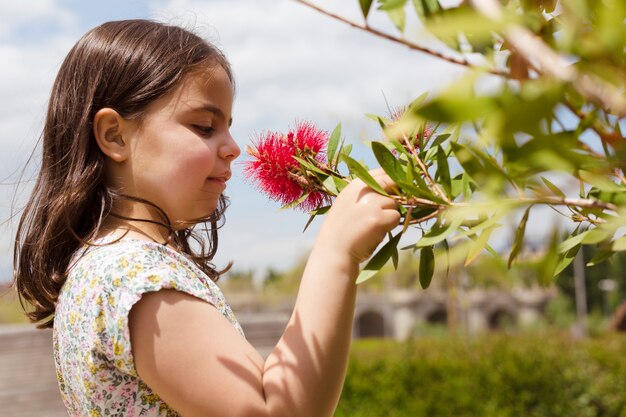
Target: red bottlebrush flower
[410,142]
[279,175]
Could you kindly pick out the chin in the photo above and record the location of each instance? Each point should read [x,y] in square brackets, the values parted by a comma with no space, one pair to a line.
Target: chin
[200,218]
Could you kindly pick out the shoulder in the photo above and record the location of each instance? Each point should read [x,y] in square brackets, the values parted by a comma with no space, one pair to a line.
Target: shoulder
[126,255]
[123,271]
[129,262]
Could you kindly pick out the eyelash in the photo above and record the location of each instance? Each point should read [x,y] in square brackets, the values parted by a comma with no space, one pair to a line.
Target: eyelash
[204,130]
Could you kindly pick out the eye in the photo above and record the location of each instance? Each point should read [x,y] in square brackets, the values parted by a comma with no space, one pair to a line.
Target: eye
[204,130]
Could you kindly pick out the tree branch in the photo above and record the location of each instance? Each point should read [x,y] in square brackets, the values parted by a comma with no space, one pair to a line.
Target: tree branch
[570,202]
[458,61]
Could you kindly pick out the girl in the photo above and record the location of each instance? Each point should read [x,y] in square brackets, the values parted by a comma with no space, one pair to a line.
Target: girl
[136,156]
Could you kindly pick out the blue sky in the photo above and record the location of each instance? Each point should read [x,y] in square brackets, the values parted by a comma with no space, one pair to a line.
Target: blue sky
[290,64]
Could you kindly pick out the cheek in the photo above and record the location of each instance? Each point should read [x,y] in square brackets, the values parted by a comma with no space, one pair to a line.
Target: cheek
[196,163]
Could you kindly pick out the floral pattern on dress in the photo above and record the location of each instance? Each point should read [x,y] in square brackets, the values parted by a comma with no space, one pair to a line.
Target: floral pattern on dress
[91,340]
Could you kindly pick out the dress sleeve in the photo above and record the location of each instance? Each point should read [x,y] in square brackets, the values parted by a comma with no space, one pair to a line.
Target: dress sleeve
[136,273]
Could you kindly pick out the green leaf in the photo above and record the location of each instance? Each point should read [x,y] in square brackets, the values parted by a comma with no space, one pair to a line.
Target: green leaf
[416,191]
[437,234]
[293,204]
[596,236]
[618,198]
[398,17]
[456,187]
[388,162]
[316,212]
[395,11]
[333,142]
[308,223]
[427,266]
[481,225]
[432,6]
[395,256]
[553,187]
[365,7]
[331,187]
[415,104]
[572,241]
[477,28]
[471,165]
[443,170]
[467,189]
[339,183]
[419,8]
[566,259]
[600,256]
[479,244]
[426,8]
[600,181]
[414,176]
[391,4]
[309,166]
[619,245]
[360,172]
[519,238]
[458,109]
[399,147]
[379,259]
[440,139]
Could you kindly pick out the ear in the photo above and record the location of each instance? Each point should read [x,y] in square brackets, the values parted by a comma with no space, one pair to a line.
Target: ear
[108,128]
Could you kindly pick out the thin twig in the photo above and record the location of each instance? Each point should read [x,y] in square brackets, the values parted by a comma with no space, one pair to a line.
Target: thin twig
[416,202]
[431,183]
[458,61]
[573,202]
[610,138]
[427,217]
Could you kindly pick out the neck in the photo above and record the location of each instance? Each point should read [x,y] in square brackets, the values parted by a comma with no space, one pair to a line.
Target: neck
[136,220]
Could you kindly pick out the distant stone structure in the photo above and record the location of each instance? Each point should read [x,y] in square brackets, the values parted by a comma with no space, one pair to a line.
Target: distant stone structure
[399,313]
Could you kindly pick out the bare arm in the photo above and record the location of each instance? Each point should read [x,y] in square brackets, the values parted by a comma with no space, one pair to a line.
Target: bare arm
[193,358]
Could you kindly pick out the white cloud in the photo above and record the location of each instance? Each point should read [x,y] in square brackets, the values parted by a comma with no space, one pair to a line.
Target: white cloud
[16,16]
[290,63]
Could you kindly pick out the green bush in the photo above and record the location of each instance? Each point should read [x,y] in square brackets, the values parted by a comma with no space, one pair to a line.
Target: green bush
[542,375]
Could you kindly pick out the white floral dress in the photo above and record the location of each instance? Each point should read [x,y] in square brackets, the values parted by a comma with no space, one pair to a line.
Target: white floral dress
[92,350]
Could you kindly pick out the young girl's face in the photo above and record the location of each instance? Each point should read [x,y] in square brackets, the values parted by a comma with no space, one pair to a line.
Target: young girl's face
[182,150]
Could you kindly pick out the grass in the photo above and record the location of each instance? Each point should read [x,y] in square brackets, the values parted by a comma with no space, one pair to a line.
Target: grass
[10,309]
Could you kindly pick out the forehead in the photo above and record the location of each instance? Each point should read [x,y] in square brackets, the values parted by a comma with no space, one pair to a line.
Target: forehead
[200,88]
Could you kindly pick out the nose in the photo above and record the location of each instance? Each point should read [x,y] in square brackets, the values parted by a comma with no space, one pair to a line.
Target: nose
[230,150]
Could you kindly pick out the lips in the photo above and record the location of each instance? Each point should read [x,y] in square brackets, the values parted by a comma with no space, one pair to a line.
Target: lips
[220,178]
[225,176]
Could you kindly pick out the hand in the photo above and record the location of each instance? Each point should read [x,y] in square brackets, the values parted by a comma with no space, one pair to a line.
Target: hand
[360,218]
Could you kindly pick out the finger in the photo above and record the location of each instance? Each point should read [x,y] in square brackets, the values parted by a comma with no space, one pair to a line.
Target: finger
[373,198]
[383,180]
[390,218]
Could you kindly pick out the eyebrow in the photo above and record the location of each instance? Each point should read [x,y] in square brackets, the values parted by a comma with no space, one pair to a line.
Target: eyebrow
[212,109]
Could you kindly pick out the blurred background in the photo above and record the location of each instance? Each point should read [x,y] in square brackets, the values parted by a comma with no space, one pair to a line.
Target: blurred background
[483,340]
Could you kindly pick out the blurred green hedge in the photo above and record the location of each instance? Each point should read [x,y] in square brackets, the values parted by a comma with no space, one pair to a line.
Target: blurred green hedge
[542,375]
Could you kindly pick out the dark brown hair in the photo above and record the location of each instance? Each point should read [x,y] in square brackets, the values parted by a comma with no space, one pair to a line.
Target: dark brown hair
[124,65]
